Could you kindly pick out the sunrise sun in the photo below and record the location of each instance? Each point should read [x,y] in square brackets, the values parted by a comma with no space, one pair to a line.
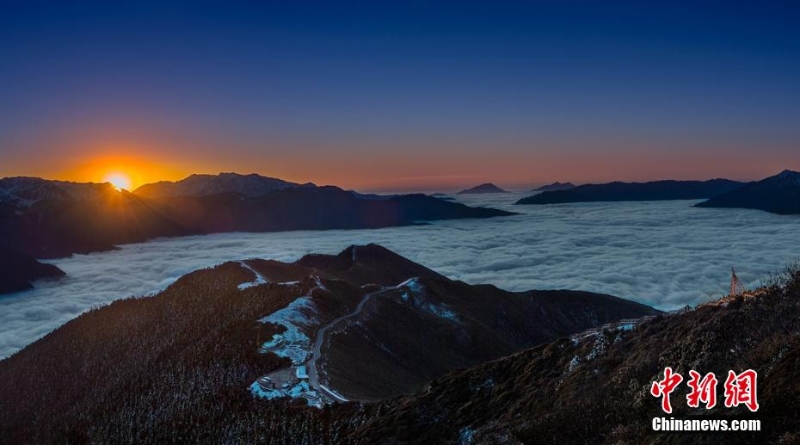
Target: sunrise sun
[120,181]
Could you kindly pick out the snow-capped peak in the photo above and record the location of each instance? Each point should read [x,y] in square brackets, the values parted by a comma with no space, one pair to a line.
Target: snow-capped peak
[26,191]
[203,185]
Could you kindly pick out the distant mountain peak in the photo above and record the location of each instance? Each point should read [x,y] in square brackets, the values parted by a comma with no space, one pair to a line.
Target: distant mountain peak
[195,185]
[776,194]
[555,186]
[26,191]
[487,187]
[788,174]
[367,263]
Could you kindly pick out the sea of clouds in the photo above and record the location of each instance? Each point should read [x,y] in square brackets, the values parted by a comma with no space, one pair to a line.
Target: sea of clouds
[664,254]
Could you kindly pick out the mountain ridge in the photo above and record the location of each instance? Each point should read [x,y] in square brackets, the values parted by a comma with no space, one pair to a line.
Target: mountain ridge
[205,350]
[52,219]
[635,191]
[196,185]
[554,187]
[26,191]
[778,194]
[601,381]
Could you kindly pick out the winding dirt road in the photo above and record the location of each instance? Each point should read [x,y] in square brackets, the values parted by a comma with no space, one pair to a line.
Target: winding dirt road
[313,375]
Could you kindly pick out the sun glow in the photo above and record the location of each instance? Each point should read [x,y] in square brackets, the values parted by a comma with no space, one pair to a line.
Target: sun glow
[120,181]
[124,172]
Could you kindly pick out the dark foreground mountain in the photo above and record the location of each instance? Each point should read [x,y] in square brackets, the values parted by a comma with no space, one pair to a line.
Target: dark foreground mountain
[595,388]
[483,188]
[235,354]
[635,191]
[777,194]
[18,271]
[555,186]
[49,219]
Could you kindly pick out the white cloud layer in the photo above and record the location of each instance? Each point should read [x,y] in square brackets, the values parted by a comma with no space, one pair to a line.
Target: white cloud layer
[665,254]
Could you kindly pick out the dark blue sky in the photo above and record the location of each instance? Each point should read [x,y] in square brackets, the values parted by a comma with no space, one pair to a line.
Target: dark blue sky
[377,95]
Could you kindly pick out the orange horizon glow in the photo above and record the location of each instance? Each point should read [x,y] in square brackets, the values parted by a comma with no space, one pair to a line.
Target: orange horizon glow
[403,173]
[375,165]
[123,172]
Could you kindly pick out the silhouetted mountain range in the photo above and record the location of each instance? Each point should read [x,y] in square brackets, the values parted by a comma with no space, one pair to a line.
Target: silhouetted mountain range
[483,188]
[777,194]
[26,191]
[48,219]
[251,185]
[189,364]
[554,187]
[635,191]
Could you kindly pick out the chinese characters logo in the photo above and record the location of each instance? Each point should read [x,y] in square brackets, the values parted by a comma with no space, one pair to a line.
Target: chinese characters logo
[740,389]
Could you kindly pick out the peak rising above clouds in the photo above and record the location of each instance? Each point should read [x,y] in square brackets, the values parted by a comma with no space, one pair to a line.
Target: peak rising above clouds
[203,185]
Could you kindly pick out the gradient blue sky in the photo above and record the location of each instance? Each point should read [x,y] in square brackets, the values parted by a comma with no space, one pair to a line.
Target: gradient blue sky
[380,95]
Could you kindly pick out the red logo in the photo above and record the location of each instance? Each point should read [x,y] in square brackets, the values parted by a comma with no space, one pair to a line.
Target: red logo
[665,387]
[704,390]
[740,389]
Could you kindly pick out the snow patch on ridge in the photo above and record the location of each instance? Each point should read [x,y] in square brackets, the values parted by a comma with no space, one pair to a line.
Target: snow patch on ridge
[419,299]
[574,363]
[293,343]
[319,284]
[257,282]
[599,348]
